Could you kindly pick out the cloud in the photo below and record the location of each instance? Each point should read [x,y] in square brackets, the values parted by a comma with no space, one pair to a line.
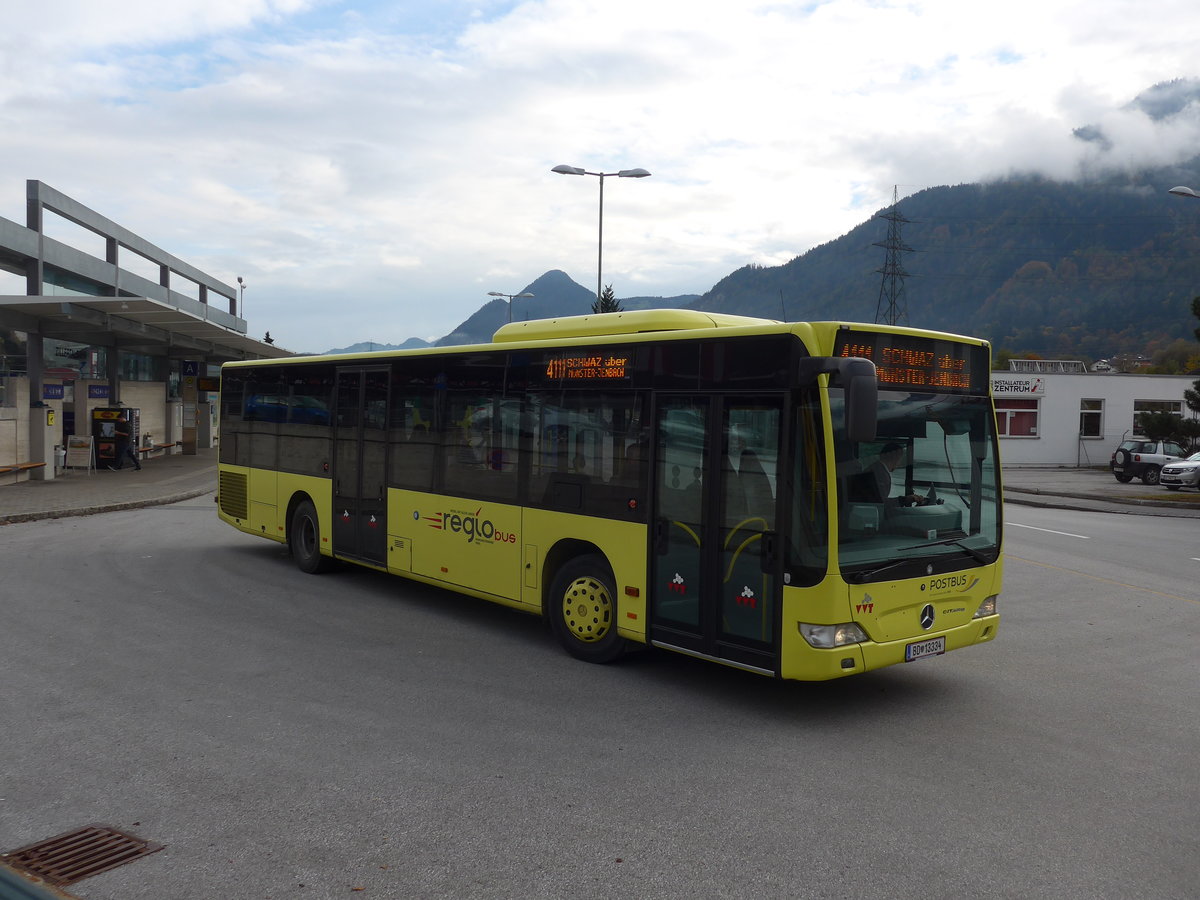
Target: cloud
[371,166]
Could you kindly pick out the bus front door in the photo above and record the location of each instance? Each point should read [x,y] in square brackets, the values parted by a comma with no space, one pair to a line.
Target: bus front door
[360,464]
[715,563]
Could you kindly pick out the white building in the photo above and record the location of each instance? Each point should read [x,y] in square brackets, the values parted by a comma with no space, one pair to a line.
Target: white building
[1055,413]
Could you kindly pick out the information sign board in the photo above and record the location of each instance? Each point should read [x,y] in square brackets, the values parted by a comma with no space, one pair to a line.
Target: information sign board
[79,452]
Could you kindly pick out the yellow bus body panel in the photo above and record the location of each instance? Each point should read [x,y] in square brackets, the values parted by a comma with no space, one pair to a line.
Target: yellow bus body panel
[500,551]
[888,612]
[468,543]
[623,544]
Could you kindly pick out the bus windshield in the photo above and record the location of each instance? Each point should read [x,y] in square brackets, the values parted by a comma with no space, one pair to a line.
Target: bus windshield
[925,491]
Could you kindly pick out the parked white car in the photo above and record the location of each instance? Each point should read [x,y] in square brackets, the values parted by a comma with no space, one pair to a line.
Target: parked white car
[1181,473]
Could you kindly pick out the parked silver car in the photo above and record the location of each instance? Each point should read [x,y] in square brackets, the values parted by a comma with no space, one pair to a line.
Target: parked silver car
[1181,473]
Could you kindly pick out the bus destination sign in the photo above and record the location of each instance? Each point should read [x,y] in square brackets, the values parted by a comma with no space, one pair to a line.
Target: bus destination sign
[588,367]
[931,364]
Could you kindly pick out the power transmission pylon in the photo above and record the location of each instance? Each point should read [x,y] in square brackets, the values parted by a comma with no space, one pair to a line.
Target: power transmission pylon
[892,305]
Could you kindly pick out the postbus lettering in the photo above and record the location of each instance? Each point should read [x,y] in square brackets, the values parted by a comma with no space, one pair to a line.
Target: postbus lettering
[947,583]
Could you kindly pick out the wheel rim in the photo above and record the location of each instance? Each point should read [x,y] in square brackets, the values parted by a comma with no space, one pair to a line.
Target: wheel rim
[587,609]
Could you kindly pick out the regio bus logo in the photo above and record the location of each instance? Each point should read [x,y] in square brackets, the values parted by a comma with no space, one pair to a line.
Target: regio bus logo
[471,525]
[927,616]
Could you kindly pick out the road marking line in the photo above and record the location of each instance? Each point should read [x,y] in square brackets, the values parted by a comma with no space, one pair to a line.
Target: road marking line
[1132,587]
[1082,537]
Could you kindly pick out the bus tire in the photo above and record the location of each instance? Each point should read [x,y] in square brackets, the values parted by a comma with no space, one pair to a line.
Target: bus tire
[583,610]
[304,539]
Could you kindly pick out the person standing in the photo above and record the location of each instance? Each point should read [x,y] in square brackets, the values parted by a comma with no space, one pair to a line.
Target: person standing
[124,432]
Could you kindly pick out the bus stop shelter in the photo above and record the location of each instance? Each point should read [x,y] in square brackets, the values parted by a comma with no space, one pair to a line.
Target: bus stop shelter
[103,311]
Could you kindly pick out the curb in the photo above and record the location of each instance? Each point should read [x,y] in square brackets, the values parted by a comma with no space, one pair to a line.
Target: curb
[1032,497]
[1126,501]
[16,518]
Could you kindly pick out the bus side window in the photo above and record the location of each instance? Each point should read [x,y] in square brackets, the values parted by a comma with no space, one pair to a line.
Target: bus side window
[481,448]
[413,436]
[588,452]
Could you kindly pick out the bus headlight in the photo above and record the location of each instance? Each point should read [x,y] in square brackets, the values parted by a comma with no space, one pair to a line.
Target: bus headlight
[826,637]
[986,608]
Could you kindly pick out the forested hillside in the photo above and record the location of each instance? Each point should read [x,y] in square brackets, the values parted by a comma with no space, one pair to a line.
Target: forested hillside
[1063,269]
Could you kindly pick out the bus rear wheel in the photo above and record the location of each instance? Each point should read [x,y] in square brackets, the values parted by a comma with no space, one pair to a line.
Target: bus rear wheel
[583,610]
[304,538]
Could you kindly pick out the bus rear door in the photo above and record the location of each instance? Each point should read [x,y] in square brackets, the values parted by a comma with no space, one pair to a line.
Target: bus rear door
[360,464]
[715,565]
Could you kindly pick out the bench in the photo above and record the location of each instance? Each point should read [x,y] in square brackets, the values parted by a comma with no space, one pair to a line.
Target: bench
[153,448]
[20,467]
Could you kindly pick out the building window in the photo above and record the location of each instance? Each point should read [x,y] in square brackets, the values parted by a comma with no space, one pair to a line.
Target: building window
[12,364]
[1017,418]
[1091,418]
[141,367]
[1154,406]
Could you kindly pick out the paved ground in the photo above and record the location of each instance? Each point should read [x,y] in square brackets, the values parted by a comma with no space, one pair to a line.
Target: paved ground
[168,479]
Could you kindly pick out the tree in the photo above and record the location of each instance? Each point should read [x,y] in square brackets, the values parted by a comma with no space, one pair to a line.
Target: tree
[1192,396]
[1190,430]
[606,302]
[1174,359]
[1163,426]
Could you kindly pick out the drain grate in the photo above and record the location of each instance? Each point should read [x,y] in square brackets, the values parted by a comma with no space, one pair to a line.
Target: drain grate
[78,854]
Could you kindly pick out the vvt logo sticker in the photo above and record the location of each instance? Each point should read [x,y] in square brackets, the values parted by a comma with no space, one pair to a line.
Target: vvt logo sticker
[746,598]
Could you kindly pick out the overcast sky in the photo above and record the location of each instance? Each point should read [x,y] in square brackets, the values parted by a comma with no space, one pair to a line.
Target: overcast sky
[373,168]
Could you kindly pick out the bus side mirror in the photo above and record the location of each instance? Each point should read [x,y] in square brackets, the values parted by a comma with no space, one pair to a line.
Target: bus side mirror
[862,398]
[857,377]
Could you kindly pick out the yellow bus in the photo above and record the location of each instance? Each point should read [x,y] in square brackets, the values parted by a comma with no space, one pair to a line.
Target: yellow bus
[801,500]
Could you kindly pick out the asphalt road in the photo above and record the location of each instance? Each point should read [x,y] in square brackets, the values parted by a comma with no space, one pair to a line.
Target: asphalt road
[297,736]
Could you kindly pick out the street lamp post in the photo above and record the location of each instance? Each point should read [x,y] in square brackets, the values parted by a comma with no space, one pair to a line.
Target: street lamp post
[511,298]
[624,173]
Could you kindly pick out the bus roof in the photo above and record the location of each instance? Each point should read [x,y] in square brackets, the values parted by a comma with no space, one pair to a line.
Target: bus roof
[633,322]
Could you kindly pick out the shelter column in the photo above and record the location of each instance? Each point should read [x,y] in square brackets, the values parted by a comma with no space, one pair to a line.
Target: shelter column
[43,425]
[188,390]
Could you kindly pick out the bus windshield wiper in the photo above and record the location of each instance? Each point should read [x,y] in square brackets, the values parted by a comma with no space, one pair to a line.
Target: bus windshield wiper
[977,555]
[863,574]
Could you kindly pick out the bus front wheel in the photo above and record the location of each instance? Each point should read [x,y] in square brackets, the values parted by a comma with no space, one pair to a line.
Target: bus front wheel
[583,610]
[305,540]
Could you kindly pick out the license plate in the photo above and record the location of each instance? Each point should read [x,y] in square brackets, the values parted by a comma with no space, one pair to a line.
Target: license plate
[921,649]
[1118,469]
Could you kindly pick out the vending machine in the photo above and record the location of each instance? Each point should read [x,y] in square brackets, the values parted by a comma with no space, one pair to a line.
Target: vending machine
[104,432]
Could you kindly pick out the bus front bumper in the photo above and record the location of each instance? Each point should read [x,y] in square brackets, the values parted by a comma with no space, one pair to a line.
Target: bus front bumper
[810,664]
